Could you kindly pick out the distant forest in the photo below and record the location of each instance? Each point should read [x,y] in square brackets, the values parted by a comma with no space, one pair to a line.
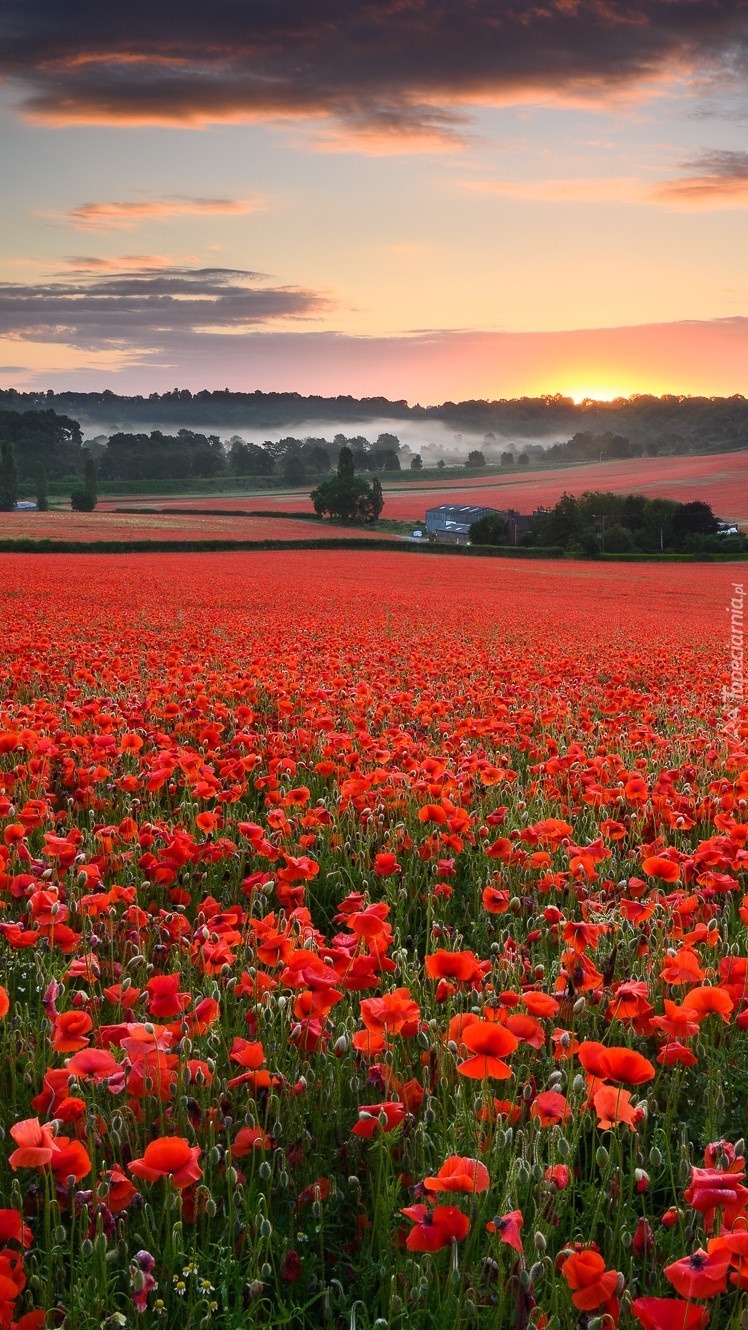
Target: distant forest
[47,430]
[672,424]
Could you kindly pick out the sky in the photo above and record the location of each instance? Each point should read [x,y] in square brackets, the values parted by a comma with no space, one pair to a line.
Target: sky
[421,199]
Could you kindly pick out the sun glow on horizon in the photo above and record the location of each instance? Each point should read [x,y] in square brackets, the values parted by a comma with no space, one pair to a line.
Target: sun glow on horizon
[597,393]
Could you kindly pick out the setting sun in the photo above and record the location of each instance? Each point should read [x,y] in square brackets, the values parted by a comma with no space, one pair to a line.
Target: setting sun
[592,393]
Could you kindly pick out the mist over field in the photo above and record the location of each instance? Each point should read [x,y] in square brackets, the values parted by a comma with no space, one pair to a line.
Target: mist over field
[433,439]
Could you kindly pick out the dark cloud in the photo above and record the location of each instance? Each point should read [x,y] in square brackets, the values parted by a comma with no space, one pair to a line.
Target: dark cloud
[715,179]
[147,310]
[382,66]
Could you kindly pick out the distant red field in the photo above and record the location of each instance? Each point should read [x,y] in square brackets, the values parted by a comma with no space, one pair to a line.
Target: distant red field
[107,525]
[720,479]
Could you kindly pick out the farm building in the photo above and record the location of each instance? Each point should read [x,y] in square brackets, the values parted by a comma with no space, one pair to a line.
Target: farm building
[452,521]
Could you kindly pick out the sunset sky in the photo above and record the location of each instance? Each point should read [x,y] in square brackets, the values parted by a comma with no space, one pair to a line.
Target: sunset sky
[426,199]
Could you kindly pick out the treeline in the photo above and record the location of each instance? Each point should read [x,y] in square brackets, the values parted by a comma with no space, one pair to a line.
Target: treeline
[607,447]
[676,424]
[43,438]
[190,455]
[598,522]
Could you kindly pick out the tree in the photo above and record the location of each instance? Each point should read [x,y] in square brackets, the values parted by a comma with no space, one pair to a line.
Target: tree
[491,529]
[8,477]
[507,459]
[386,459]
[294,471]
[90,482]
[523,460]
[416,462]
[316,454]
[475,458]
[346,496]
[693,519]
[377,500]
[42,497]
[658,523]
[84,500]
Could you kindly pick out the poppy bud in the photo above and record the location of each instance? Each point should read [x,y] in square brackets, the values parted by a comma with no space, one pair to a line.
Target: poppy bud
[655,1157]
[266,1229]
[602,1158]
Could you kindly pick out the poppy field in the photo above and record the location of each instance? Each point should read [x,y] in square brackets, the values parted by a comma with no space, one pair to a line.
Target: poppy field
[373,945]
[106,525]
[720,479]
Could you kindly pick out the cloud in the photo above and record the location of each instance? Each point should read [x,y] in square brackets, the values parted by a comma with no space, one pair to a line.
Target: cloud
[716,179]
[119,215]
[381,68]
[148,311]
[85,263]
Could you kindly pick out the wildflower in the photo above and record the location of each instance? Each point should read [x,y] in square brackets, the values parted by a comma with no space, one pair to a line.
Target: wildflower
[459,1174]
[593,1286]
[669,1314]
[489,1043]
[393,1113]
[703,1274]
[508,1228]
[169,1157]
[435,1228]
[550,1108]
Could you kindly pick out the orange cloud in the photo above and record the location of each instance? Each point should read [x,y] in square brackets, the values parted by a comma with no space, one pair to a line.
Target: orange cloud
[118,262]
[123,214]
[717,179]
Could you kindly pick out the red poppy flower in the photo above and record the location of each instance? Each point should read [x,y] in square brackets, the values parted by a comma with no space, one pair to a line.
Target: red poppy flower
[490,1042]
[459,1174]
[550,1108]
[435,1228]
[463,966]
[613,1105]
[669,1314]
[658,866]
[71,1029]
[36,1144]
[369,1118]
[585,1273]
[169,1157]
[615,1064]
[508,1227]
[703,1274]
